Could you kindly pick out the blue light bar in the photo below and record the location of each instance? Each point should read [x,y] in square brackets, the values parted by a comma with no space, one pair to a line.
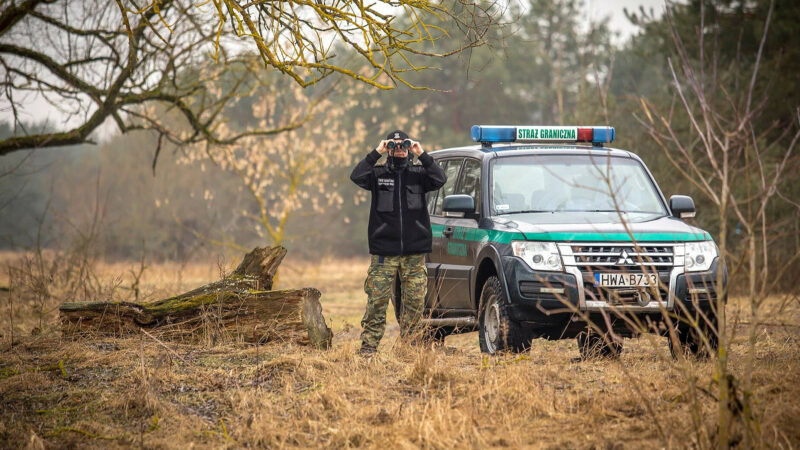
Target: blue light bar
[483,133]
[488,134]
[601,135]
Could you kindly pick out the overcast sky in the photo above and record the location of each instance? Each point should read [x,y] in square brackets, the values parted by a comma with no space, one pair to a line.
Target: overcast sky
[38,109]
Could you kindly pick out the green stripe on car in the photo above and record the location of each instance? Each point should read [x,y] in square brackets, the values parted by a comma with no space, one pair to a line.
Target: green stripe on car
[505,237]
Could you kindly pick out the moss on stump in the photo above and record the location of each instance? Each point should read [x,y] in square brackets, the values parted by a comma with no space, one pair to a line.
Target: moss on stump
[241,306]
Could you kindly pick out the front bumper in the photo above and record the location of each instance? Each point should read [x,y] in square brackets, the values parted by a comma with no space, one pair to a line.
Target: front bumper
[547,297]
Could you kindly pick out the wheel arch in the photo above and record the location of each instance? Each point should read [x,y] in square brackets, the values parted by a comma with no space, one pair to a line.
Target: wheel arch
[489,265]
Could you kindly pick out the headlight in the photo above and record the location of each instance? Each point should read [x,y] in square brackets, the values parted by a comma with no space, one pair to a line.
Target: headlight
[699,255]
[538,255]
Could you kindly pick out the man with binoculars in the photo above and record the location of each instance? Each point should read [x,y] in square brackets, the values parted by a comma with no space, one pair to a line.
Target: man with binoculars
[399,232]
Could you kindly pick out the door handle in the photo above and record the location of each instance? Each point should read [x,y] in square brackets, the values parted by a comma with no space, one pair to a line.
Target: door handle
[448,231]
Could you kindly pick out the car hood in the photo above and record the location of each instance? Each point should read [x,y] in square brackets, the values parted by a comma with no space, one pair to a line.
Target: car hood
[600,226]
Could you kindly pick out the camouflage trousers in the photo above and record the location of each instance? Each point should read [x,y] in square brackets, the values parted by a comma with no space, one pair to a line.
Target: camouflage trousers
[378,286]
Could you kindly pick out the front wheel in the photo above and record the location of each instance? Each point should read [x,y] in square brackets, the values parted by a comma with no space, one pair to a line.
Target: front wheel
[699,342]
[497,331]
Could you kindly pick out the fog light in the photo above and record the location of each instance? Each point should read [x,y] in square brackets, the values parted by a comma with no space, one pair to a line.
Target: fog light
[551,290]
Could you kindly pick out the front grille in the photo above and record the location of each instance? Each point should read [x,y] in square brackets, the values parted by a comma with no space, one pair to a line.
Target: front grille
[623,255]
[591,258]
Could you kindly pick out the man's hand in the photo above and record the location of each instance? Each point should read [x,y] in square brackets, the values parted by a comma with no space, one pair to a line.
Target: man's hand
[382,147]
[416,148]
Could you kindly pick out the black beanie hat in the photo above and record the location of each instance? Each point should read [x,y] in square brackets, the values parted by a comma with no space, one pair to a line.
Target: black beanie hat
[397,134]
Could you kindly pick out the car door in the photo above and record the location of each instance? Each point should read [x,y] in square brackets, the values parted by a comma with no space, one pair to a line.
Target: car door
[459,243]
[434,262]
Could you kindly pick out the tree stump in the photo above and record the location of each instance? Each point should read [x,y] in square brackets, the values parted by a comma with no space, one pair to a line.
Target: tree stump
[241,306]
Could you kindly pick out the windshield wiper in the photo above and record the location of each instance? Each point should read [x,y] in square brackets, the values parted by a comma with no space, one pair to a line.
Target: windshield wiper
[524,211]
[626,212]
[609,210]
[586,210]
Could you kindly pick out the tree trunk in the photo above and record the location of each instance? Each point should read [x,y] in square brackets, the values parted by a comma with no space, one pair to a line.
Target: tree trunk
[241,306]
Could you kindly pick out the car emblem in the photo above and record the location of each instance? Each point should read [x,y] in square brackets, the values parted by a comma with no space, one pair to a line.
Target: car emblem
[624,258]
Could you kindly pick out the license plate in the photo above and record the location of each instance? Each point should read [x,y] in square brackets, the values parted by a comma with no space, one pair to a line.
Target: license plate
[625,279]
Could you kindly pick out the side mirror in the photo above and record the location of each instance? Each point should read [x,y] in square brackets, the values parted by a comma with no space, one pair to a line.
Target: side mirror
[682,206]
[459,203]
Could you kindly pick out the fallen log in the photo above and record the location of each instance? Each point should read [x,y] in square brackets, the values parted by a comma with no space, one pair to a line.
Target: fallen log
[241,306]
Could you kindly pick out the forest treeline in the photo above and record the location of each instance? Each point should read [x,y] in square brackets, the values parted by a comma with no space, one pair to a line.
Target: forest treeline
[546,65]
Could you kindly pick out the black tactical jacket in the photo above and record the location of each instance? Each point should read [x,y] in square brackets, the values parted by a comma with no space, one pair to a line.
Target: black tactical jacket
[398,216]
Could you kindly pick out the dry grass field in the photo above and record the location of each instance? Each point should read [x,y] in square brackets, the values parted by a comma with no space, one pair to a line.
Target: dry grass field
[109,393]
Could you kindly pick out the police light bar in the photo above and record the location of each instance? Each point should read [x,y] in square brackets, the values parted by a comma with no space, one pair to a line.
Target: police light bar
[487,134]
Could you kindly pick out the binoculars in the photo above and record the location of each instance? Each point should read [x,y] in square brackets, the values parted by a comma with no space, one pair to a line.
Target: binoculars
[405,145]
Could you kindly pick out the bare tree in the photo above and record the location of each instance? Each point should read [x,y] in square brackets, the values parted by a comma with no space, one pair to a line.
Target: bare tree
[301,39]
[740,167]
[97,61]
[291,174]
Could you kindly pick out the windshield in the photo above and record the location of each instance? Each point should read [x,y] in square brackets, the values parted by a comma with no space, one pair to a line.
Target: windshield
[572,183]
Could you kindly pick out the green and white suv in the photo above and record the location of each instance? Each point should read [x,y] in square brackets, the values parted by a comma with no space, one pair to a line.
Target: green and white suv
[542,232]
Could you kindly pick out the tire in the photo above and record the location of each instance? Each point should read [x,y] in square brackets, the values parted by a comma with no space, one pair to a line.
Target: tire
[690,342]
[497,331]
[592,345]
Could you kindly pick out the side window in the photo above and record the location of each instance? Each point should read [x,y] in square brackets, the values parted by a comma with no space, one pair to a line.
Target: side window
[471,181]
[450,167]
[430,198]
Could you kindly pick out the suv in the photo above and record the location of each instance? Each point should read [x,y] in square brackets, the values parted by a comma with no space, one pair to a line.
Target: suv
[564,240]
